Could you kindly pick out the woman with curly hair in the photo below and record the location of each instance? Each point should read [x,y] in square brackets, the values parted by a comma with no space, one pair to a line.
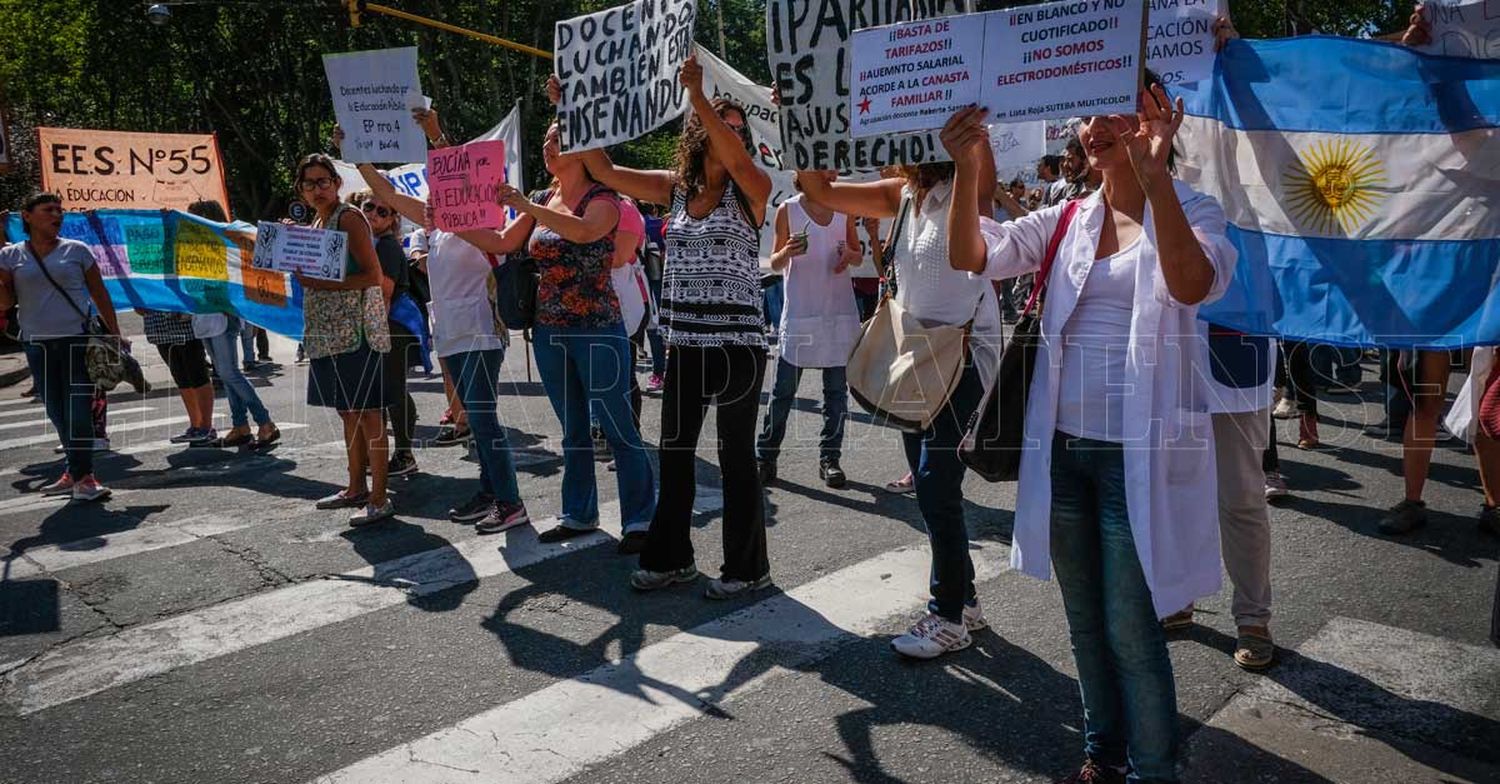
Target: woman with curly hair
[711,317]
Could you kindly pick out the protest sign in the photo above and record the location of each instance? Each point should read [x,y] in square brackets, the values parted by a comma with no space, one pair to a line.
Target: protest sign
[809,53]
[1065,59]
[1180,39]
[374,93]
[170,260]
[1017,147]
[316,253]
[98,169]
[463,183]
[914,76]
[619,71]
[1464,28]
[765,136]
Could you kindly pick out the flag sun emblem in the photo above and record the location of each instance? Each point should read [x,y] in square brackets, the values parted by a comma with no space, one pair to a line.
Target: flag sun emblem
[1334,185]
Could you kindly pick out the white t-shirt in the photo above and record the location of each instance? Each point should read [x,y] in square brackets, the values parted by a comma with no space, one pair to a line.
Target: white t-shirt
[209,325]
[1091,387]
[463,316]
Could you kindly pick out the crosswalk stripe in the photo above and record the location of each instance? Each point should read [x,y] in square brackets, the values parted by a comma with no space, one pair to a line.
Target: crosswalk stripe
[38,412]
[47,423]
[18,401]
[113,429]
[35,502]
[164,445]
[556,732]
[107,547]
[90,665]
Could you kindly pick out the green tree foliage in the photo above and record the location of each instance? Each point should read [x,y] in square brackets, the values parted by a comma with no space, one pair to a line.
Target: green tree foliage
[252,71]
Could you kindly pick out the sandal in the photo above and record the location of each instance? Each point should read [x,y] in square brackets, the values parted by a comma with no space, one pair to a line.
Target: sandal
[902,486]
[1254,650]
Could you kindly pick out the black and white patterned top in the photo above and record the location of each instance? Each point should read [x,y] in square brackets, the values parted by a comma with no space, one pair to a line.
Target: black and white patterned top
[710,289]
[166,329]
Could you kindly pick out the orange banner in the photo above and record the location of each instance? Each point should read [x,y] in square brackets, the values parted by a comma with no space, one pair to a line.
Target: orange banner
[115,169]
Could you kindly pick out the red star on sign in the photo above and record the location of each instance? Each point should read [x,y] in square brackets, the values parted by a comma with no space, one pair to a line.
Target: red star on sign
[864,106]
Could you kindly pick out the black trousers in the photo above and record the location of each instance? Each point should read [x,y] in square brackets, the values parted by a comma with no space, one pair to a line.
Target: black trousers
[731,378]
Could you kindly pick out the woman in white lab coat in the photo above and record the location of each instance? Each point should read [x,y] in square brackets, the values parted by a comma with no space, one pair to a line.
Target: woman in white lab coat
[1117,485]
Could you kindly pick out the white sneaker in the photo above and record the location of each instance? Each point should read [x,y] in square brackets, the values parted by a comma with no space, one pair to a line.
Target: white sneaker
[1275,486]
[974,619]
[932,637]
[1285,409]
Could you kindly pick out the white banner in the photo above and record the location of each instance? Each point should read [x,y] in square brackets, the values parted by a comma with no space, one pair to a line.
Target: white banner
[809,54]
[618,70]
[1464,28]
[1180,39]
[373,95]
[1075,57]
[760,114]
[914,76]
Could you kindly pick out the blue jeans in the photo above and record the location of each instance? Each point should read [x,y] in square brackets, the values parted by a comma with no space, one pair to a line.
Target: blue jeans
[62,382]
[584,368]
[1124,673]
[939,476]
[244,403]
[784,391]
[476,375]
[773,299]
[653,334]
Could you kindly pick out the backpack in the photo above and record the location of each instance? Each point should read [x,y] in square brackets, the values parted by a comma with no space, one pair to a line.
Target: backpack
[516,282]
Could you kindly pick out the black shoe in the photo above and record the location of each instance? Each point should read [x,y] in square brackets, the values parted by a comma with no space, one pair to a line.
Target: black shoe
[767,470]
[1403,518]
[632,543]
[452,435]
[474,509]
[402,464]
[562,533]
[831,474]
[1489,520]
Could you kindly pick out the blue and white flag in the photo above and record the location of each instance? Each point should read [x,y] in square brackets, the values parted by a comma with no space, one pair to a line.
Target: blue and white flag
[1362,185]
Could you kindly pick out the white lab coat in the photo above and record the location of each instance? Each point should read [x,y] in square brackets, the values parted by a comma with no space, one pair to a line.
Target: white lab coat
[1171,485]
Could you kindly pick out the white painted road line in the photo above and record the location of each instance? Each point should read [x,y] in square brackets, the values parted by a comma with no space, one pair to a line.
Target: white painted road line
[165,444]
[90,665]
[33,502]
[107,547]
[20,401]
[46,423]
[553,734]
[113,429]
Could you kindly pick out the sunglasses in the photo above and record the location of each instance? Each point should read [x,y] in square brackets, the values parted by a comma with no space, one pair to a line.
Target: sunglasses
[308,186]
[384,212]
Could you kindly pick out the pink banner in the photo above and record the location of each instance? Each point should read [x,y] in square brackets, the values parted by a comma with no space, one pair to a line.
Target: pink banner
[462,186]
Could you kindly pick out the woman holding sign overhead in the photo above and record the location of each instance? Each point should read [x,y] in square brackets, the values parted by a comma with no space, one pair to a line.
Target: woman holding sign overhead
[346,338]
[711,318]
[1119,486]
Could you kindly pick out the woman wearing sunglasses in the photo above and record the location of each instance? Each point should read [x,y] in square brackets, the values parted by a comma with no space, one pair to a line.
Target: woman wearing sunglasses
[346,337]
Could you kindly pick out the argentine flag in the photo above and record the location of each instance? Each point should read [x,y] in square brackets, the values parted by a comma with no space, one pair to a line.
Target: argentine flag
[1361,181]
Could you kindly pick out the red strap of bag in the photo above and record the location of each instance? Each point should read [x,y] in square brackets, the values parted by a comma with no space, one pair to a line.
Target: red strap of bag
[1045,272]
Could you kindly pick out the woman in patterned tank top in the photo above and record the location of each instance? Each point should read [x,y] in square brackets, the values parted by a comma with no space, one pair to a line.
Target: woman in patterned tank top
[711,318]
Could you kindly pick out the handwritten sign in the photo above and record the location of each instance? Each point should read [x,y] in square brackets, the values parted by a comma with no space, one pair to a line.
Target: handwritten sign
[374,93]
[1180,39]
[1017,147]
[105,169]
[913,76]
[201,252]
[618,70]
[1066,59]
[463,183]
[808,49]
[1464,28]
[316,253]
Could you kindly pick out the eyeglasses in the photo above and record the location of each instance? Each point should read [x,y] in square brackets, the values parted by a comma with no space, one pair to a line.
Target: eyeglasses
[308,186]
[384,212]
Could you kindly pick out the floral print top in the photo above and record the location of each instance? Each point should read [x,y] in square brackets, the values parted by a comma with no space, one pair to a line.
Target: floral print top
[338,322]
[573,286]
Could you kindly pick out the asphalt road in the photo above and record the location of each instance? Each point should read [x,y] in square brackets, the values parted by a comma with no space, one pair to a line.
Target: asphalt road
[208,625]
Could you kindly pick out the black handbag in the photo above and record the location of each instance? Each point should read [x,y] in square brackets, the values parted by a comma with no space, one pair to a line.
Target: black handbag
[993,442]
[516,282]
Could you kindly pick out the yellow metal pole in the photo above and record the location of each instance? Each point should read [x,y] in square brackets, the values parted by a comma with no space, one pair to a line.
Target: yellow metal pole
[422,20]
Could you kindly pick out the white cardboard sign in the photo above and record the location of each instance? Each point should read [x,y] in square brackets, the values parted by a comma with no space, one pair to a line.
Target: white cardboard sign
[1464,28]
[374,93]
[1180,39]
[292,249]
[619,71]
[912,77]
